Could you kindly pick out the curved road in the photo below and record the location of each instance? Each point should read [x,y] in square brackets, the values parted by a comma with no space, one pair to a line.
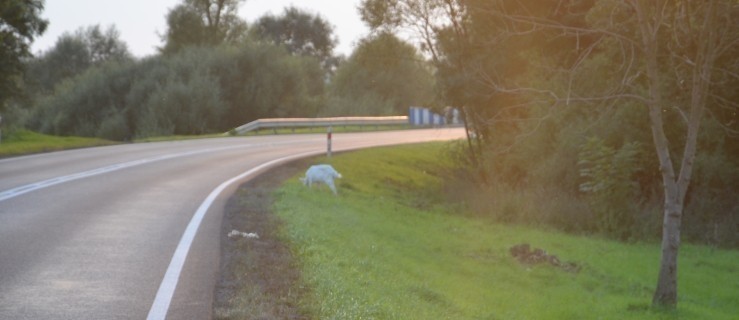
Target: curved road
[92,233]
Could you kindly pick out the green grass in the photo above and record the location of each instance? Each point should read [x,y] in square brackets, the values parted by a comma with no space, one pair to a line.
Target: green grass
[22,142]
[389,247]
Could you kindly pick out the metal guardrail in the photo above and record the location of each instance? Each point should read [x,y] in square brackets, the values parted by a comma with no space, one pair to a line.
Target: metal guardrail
[275,123]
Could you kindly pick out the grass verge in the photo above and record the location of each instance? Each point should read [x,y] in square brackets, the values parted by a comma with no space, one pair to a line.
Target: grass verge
[389,247]
[21,142]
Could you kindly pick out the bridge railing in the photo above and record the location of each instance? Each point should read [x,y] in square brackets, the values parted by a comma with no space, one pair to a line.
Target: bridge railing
[279,123]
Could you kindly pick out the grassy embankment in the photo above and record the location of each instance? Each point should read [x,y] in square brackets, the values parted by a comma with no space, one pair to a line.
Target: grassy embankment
[389,247]
[22,142]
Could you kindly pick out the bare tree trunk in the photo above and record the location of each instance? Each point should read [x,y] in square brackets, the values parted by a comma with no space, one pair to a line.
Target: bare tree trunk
[468,129]
[675,188]
[666,292]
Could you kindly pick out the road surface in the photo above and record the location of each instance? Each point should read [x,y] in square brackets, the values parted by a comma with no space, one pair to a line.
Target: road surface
[93,233]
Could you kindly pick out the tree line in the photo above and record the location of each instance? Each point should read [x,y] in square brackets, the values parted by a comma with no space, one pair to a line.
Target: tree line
[212,73]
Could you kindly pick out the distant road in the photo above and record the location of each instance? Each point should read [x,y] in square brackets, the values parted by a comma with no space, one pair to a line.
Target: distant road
[91,233]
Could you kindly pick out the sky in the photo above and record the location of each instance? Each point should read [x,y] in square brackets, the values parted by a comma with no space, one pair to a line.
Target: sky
[140,22]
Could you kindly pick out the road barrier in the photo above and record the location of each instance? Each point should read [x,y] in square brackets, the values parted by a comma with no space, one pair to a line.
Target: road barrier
[279,123]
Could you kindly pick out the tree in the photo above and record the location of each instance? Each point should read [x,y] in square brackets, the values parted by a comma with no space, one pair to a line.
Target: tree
[203,23]
[197,90]
[421,18]
[703,31]
[104,46]
[436,24]
[73,54]
[384,76]
[672,57]
[300,33]
[20,22]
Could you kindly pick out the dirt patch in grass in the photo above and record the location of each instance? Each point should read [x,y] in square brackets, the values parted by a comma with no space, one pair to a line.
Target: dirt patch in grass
[260,278]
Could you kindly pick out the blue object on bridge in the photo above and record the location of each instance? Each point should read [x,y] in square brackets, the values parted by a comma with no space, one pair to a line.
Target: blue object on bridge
[419,116]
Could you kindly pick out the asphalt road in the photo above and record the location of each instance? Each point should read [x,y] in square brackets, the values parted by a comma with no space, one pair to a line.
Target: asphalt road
[93,233]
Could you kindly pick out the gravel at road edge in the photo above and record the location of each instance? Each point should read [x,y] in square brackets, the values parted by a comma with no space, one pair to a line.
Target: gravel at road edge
[259,277]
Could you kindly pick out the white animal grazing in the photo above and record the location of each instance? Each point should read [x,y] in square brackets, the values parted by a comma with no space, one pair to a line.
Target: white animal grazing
[321,173]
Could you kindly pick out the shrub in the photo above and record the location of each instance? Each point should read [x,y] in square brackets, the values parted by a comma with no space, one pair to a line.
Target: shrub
[196,91]
[609,182]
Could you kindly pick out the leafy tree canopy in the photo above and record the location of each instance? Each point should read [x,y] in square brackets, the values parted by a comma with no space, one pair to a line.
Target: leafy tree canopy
[203,23]
[20,22]
[74,53]
[197,90]
[300,33]
[386,73]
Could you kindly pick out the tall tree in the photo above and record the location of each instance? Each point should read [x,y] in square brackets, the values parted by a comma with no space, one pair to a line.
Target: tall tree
[104,45]
[203,23]
[301,33]
[422,18]
[701,32]
[20,23]
[386,75]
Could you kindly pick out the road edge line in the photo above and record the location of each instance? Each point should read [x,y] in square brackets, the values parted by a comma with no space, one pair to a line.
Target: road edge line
[165,293]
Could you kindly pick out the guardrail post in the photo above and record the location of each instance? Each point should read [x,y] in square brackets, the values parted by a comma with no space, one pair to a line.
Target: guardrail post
[328,143]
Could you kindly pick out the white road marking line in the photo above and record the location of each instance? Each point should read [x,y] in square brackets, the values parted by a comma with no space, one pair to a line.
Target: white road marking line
[17,191]
[12,193]
[166,290]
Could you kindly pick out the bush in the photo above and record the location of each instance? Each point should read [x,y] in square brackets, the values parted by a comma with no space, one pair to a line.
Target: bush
[609,182]
[114,127]
[197,91]
[384,76]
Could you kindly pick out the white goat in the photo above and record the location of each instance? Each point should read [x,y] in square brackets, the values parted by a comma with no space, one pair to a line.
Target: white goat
[321,173]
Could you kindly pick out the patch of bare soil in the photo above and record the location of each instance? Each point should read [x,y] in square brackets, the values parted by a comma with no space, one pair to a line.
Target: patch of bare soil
[524,254]
[260,278]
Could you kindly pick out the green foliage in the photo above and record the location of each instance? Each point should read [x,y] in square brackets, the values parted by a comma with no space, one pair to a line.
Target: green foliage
[608,176]
[20,22]
[186,28]
[191,105]
[712,211]
[79,106]
[300,33]
[365,105]
[196,91]
[380,14]
[72,55]
[114,127]
[410,255]
[203,23]
[384,76]
[535,78]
